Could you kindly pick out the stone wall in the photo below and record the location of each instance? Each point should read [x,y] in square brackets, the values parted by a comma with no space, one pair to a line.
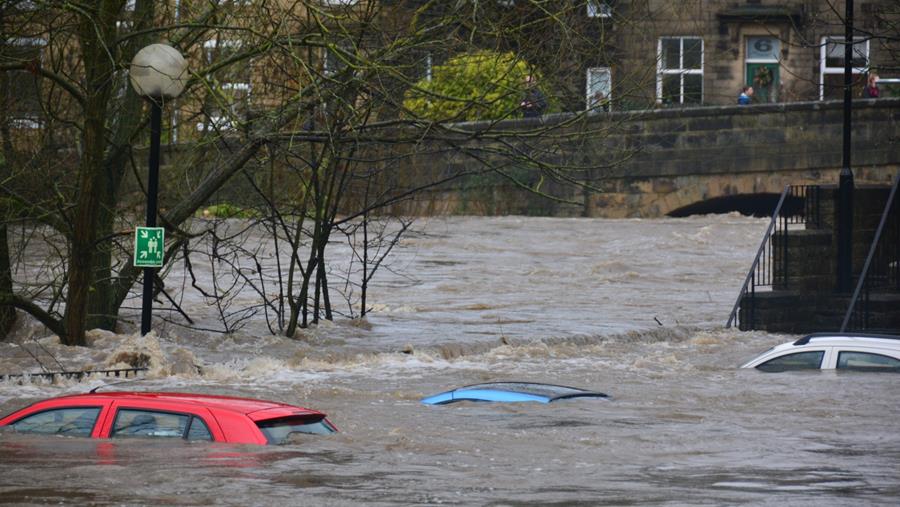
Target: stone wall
[669,159]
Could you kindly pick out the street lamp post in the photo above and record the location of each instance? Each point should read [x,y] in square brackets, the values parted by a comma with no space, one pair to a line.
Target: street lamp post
[158,72]
[845,182]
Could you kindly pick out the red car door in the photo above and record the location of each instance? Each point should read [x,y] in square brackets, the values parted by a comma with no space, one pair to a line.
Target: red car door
[162,409]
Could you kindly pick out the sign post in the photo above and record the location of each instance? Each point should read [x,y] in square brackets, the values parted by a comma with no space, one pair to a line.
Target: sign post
[158,72]
[148,247]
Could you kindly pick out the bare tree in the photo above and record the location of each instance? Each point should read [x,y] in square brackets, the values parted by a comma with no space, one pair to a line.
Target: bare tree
[296,108]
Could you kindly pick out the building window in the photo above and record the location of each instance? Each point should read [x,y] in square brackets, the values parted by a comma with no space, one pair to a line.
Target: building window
[763,50]
[679,78]
[332,64]
[338,3]
[230,86]
[831,65]
[598,89]
[598,9]
[22,5]
[428,64]
[23,93]
[126,24]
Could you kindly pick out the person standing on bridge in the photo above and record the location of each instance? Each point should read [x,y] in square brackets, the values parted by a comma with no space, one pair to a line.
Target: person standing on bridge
[871,89]
[534,103]
[746,95]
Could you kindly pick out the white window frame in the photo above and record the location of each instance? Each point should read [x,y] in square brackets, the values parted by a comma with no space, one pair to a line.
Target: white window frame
[587,89]
[681,71]
[598,9]
[220,122]
[28,122]
[823,54]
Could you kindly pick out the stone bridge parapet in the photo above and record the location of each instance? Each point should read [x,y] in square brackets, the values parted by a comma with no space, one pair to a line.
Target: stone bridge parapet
[679,158]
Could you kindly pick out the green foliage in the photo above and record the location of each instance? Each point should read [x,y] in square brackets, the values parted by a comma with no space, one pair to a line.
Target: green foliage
[225,210]
[484,85]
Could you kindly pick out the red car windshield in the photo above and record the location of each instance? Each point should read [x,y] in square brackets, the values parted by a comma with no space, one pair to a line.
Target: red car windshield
[279,431]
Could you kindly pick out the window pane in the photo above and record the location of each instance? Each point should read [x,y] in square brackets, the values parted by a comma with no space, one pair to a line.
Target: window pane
[23,98]
[671,52]
[799,361]
[598,88]
[76,422]
[834,53]
[226,106]
[222,51]
[278,431]
[140,423]
[671,88]
[598,9]
[693,88]
[763,48]
[868,362]
[199,430]
[693,51]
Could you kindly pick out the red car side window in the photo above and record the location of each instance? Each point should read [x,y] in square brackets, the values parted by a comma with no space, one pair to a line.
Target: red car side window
[152,424]
[159,424]
[199,430]
[70,421]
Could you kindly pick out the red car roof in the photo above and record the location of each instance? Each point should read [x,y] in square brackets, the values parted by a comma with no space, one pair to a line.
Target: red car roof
[233,403]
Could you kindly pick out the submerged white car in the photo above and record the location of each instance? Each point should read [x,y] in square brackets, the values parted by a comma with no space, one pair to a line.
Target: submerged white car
[828,351]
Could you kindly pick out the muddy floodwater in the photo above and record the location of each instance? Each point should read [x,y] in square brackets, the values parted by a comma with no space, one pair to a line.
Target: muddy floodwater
[632,308]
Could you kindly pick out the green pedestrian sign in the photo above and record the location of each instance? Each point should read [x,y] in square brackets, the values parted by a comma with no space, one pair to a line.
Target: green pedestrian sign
[148,247]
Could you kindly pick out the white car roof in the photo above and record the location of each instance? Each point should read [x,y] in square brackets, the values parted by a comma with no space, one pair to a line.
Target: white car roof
[852,339]
[813,341]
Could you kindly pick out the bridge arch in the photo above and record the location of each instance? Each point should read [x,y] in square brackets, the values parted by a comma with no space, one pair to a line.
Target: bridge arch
[757,205]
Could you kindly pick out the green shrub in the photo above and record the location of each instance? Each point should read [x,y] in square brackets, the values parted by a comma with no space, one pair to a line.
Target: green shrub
[474,86]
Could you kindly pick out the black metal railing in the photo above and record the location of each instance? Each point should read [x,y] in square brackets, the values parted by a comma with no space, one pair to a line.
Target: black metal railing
[78,375]
[881,272]
[798,205]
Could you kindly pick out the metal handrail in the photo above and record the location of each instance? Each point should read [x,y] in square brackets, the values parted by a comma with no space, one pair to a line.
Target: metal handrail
[76,374]
[862,277]
[762,247]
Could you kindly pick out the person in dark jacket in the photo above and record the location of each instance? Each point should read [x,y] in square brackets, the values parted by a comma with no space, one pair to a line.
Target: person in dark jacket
[871,89]
[534,103]
[746,96]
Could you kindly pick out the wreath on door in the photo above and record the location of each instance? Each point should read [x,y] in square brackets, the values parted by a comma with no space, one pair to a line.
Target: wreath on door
[763,77]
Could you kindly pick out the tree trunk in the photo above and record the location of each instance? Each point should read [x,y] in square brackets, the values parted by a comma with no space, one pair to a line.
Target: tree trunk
[96,34]
[7,313]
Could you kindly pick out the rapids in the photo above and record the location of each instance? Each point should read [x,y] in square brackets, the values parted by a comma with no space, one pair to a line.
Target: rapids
[633,308]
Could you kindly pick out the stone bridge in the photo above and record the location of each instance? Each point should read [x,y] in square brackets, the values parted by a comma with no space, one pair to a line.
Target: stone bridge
[708,159]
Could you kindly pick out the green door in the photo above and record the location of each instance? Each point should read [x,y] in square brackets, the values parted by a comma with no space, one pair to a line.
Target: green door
[764,79]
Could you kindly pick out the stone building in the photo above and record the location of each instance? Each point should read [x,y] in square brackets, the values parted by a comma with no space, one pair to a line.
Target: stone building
[703,51]
[620,54]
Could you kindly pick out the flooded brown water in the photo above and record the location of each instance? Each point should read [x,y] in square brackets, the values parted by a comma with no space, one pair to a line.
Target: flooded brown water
[633,308]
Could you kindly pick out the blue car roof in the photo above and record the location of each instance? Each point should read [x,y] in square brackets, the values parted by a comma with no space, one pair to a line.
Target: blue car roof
[511,392]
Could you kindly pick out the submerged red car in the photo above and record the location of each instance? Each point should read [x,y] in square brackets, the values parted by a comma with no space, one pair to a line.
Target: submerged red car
[169,415]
